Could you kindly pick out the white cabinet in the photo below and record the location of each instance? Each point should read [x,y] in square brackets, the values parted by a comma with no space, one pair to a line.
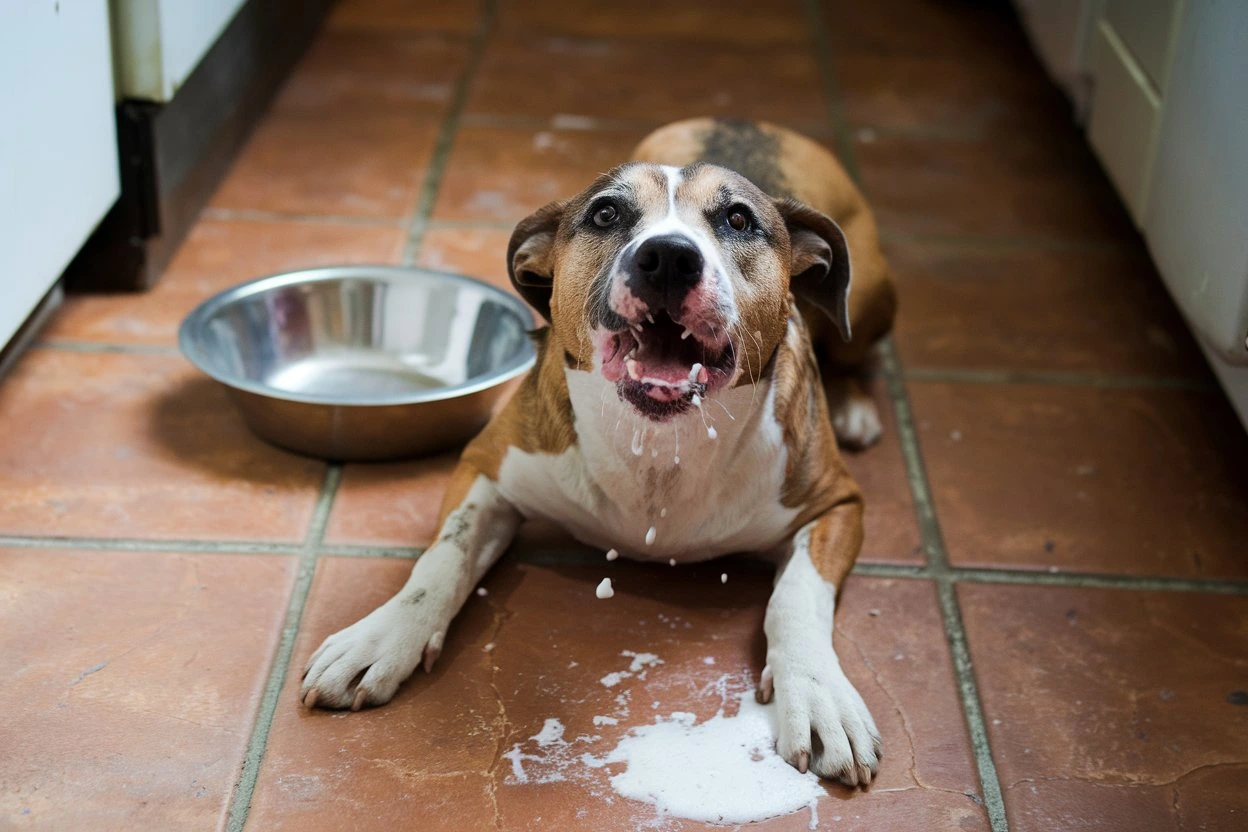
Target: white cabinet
[160,42]
[58,143]
[1169,122]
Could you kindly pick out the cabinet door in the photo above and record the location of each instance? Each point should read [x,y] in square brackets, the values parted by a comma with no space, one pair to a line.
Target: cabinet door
[58,143]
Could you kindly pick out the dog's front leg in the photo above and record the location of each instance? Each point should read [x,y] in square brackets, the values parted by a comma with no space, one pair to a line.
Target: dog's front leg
[823,723]
[365,663]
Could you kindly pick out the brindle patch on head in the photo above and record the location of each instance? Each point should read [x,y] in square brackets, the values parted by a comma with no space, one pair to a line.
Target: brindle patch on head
[744,147]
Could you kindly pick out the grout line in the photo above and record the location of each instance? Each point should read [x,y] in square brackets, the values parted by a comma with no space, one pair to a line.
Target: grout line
[957,375]
[349,551]
[419,221]
[245,788]
[968,691]
[929,527]
[831,89]
[106,347]
[924,506]
[123,544]
[938,564]
[1087,580]
[872,569]
[250,215]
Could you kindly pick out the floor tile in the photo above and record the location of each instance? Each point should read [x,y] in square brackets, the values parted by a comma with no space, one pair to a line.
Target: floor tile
[476,252]
[553,643]
[998,308]
[899,663]
[1112,709]
[390,504]
[1016,186]
[346,72]
[965,29]
[405,16]
[140,446]
[645,82]
[960,95]
[505,174]
[1086,480]
[217,254]
[890,526]
[131,684]
[732,22]
[319,164]
[420,762]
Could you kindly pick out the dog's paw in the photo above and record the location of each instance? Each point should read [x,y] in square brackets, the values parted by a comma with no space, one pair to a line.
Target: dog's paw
[824,726]
[365,663]
[855,417]
[856,421]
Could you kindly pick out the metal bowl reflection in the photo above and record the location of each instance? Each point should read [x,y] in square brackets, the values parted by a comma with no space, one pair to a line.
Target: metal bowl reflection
[362,362]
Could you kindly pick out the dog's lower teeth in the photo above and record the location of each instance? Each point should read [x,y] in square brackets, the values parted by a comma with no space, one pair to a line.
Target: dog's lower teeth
[649,317]
[686,333]
[695,372]
[633,372]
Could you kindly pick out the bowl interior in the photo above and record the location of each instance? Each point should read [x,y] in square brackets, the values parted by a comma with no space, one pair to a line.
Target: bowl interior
[380,336]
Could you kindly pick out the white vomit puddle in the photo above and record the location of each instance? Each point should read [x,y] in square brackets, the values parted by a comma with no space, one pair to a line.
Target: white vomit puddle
[723,770]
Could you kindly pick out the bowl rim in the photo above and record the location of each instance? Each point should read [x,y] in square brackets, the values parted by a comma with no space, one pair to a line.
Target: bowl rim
[194,322]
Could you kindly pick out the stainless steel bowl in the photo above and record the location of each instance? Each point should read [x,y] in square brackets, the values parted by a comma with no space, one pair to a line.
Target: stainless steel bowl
[362,362]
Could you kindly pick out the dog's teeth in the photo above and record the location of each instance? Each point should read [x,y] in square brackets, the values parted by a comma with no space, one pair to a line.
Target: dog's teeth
[633,372]
[697,400]
[711,433]
[649,317]
[703,375]
[686,333]
[612,554]
[650,535]
[695,372]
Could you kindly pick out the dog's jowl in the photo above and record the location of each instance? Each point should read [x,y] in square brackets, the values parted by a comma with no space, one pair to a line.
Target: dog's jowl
[694,297]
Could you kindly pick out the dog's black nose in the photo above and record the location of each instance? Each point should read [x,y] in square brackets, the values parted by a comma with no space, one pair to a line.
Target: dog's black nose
[664,269]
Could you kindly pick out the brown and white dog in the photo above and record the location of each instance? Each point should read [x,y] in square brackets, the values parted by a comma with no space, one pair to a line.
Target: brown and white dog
[676,411]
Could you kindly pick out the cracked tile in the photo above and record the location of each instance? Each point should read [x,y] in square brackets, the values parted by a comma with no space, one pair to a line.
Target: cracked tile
[131,681]
[1113,709]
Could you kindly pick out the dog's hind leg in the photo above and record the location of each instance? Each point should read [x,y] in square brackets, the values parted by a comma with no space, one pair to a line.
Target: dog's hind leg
[365,663]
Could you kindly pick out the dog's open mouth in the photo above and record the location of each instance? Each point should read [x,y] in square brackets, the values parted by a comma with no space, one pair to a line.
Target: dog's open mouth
[659,365]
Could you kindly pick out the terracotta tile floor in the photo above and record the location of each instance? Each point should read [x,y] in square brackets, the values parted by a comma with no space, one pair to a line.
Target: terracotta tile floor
[1049,619]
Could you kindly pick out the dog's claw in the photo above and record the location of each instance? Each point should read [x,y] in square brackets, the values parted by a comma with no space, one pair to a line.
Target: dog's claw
[309,701]
[360,695]
[766,687]
[432,650]
[803,761]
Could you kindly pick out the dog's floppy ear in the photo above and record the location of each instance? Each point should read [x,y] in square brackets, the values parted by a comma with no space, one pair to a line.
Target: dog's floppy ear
[530,257]
[820,269]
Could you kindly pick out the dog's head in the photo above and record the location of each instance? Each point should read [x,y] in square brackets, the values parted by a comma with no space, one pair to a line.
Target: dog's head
[674,282]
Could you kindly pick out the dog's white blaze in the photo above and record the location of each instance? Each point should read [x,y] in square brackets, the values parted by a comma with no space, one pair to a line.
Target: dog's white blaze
[599,491]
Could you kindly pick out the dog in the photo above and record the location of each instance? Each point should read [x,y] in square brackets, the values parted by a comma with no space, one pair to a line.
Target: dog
[676,411]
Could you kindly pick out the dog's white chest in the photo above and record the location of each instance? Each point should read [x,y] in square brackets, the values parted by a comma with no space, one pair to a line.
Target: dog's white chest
[660,491]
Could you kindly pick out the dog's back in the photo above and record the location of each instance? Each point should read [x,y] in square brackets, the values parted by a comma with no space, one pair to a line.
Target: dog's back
[787,165]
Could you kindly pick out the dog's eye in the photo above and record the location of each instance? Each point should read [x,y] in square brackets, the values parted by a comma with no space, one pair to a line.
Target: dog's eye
[739,218]
[606,215]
